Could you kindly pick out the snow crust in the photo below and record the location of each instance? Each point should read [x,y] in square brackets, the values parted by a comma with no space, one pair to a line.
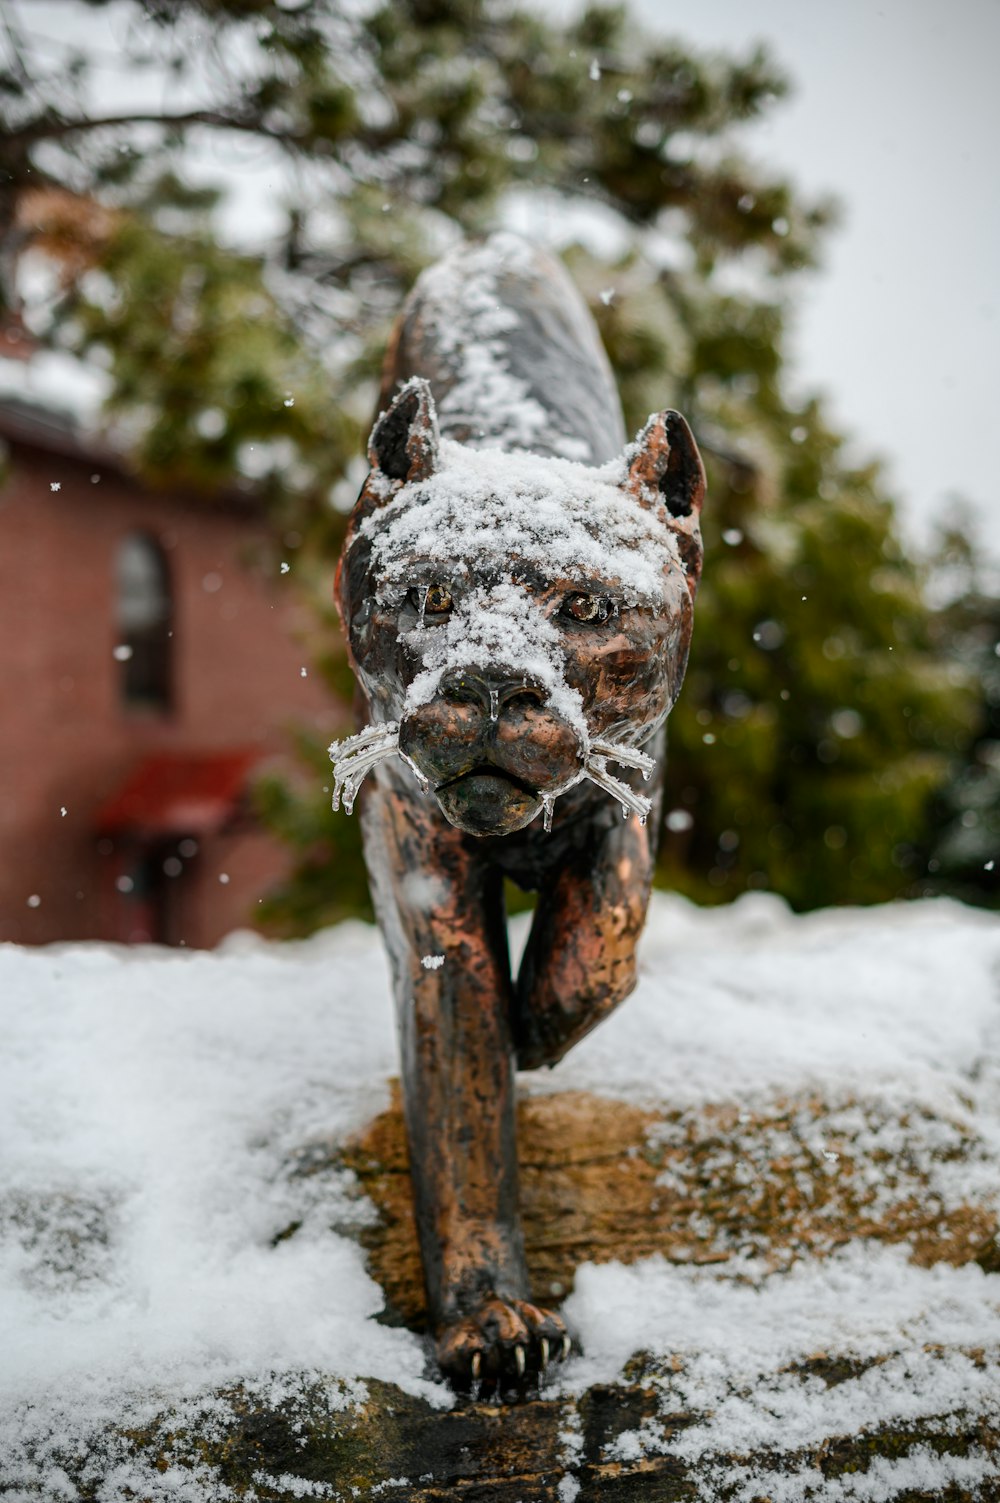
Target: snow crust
[902,999]
[570,521]
[734,1337]
[500,627]
[483,508]
[156,1108]
[461,297]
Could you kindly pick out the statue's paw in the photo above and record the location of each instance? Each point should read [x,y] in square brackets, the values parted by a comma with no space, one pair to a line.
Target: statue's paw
[502,1344]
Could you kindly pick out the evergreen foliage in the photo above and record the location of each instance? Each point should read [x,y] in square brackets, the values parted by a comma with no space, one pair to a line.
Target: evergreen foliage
[327,883]
[965,855]
[825,717]
[823,705]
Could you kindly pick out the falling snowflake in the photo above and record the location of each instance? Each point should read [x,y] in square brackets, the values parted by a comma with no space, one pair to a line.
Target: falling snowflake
[432,962]
[55,485]
[285,567]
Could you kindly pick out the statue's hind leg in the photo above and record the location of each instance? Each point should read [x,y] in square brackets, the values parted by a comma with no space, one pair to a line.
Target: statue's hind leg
[441,912]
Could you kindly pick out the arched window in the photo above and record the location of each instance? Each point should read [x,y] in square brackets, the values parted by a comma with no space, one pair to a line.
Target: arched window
[144,622]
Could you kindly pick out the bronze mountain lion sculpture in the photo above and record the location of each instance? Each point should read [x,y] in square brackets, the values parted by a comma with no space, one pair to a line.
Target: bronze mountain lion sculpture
[517,588]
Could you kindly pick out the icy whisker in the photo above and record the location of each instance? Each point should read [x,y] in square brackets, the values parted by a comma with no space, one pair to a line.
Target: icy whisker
[594,767]
[628,756]
[355,756]
[631,802]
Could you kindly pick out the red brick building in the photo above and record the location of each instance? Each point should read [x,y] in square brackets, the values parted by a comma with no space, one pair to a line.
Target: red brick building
[151,662]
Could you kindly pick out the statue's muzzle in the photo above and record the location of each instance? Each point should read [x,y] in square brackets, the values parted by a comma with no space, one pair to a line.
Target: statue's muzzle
[492,749]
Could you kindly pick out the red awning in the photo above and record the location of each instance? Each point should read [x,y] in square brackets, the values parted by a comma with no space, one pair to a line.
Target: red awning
[177,793]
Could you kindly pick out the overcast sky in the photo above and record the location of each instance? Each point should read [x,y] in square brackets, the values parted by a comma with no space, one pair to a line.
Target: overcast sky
[897,112]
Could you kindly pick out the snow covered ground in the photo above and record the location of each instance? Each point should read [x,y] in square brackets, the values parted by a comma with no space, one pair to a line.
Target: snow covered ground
[153,1104]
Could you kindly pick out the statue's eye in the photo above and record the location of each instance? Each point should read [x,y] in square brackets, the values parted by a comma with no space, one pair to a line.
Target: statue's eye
[434,601]
[594,609]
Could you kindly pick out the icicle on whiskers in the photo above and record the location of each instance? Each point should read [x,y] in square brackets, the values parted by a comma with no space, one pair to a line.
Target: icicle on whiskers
[355,756]
[595,768]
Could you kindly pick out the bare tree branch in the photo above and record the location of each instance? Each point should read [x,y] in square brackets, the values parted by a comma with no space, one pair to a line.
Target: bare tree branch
[55,129]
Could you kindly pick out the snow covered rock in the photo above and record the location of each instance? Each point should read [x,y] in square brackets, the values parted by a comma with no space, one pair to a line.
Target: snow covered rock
[768,1187]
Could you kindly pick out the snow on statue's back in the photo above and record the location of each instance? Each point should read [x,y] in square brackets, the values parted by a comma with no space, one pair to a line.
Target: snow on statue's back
[511,353]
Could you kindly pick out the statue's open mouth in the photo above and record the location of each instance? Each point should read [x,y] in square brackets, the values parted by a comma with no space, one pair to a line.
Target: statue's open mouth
[488,800]
[489,770]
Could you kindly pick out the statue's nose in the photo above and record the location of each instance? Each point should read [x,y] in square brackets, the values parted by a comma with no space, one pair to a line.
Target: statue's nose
[490,692]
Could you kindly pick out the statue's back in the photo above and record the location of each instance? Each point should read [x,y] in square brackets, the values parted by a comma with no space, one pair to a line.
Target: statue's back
[511,352]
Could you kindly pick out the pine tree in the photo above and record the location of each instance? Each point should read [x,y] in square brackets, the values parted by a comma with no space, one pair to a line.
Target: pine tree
[821,713]
[965,841]
[822,707]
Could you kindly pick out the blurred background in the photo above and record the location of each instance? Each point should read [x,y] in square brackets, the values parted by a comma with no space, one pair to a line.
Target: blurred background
[787,227]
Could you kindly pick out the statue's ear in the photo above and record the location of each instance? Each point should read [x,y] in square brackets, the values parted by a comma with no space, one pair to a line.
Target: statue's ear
[664,466]
[404,441]
[664,463]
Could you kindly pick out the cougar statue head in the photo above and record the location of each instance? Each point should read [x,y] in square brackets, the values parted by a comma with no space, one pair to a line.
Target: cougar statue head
[516,621]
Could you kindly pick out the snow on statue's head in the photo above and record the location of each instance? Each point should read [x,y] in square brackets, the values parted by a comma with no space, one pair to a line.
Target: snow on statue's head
[512,614]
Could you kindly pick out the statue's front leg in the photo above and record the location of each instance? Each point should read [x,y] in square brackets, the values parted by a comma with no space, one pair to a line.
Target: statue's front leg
[580,960]
[441,912]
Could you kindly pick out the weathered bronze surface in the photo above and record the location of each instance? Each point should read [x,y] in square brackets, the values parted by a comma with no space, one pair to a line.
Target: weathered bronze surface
[494,780]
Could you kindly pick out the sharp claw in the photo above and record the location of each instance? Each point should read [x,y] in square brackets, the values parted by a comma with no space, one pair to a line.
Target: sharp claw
[477,1363]
[544,1344]
[565,1348]
[519,1360]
